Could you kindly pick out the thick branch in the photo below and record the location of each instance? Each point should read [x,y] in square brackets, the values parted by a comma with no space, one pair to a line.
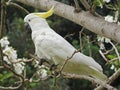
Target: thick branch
[85,19]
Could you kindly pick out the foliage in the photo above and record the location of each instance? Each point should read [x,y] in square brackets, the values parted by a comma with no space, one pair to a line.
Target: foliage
[20,39]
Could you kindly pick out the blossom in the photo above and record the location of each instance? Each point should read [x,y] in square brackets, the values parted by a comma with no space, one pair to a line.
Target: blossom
[18,67]
[100,39]
[42,72]
[5,58]
[109,18]
[107,1]
[107,40]
[113,68]
[10,53]
[102,47]
[4,42]
[35,63]
[10,56]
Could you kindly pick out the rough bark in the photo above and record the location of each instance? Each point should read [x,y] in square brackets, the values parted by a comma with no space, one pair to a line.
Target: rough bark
[86,19]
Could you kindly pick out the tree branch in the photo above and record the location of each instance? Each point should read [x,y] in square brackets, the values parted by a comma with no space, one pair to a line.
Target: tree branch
[111,79]
[95,24]
[67,75]
[3,14]
[17,6]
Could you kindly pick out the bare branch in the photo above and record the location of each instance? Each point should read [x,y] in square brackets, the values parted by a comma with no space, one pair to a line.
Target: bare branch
[80,38]
[89,48]
[111,79]
[3,15]
[117,53]
[102,54]
[11,87]
[67,75]
[9,3]
[68,58]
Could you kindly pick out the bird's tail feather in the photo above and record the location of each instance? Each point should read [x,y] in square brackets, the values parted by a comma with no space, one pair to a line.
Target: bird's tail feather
[98,75]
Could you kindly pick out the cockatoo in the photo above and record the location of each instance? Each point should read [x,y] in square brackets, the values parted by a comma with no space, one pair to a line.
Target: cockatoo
[51,45]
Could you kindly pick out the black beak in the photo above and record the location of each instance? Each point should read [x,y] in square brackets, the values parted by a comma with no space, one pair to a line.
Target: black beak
[27,27]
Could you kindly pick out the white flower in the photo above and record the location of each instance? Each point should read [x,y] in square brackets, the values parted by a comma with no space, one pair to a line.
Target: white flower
[4,42]
[36,63]
[109,18]
[18,68]
[11,54]
[107,1]
[100,39]
[107,40]
[42,72]
[102,47]
[112,67]
[5,58]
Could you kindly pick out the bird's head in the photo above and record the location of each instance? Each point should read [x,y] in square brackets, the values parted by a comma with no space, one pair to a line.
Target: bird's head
[32,18]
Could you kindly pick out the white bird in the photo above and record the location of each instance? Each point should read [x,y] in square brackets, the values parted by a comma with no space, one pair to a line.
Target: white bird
[51,45]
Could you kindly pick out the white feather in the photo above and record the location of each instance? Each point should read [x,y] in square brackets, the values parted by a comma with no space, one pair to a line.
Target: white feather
[51,45]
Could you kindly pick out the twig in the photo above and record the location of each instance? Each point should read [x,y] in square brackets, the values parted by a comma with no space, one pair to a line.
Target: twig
[17,6]
[114,76]
[3,15]
[34,57]
[115,50]
[114,59]
[67,75]
[101,53]
[68,58]
[9,68]
[80,38]
[108,51]
[111,79]
[18,61]
[11,87]
[77,7]
[39,79]
[68,35]
[88,41]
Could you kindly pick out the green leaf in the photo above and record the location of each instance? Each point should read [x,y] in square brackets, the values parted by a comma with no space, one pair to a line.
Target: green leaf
[5,76]
[111,56]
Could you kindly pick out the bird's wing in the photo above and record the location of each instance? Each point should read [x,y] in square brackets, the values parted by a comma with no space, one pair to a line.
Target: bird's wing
[53,45]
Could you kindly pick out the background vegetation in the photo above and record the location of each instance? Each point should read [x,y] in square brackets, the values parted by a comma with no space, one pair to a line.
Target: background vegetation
[20,39]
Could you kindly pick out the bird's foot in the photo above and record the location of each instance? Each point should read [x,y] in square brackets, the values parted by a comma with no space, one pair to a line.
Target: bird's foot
[54,70]
[43,60]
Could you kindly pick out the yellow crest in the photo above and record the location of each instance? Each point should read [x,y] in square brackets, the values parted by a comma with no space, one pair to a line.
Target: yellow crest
[45,14]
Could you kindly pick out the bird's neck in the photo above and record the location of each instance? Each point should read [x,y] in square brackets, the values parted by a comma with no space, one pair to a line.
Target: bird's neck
[39,24]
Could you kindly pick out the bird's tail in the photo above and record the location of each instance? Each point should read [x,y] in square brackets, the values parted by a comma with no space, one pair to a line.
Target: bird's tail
[98,75]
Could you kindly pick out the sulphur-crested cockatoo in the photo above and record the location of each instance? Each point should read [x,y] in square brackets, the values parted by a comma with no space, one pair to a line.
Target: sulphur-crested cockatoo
[51,45]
